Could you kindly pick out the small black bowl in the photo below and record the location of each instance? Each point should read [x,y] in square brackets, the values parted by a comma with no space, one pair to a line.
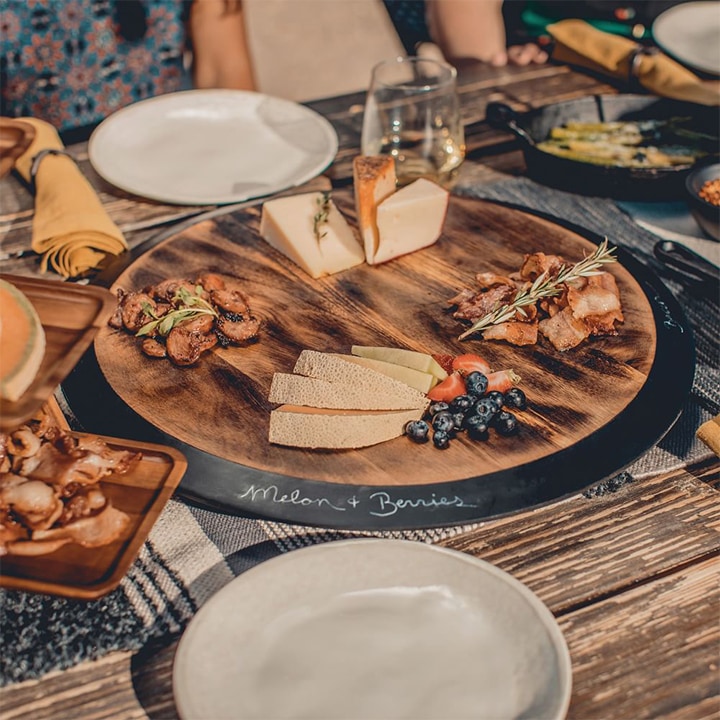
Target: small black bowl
[705,213]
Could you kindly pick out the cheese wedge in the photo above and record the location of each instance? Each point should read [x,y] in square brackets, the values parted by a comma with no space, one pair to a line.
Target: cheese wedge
[410,219]
[421,381]
[22,342]
[322,248]
[408,358]
[336,369]
[374,180]
[313,392]
[336,429]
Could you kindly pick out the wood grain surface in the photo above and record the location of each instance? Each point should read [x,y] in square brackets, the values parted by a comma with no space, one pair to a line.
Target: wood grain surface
[402,303]
[650,591]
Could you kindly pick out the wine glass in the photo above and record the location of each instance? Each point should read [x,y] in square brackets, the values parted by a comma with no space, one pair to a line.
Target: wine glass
[412,113]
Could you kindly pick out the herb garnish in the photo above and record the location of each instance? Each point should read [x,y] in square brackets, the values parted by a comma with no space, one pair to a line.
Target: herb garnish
[321,217]
[545,286]
[187,306]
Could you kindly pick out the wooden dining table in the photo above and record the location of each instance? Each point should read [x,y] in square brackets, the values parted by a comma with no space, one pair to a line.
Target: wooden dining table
[630,569]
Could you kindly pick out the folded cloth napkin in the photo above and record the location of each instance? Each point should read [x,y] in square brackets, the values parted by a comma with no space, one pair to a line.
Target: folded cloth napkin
[579,43]
[71,229]
[709,433]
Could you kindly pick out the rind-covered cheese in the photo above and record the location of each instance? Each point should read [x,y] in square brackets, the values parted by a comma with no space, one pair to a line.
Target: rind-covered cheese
[410,219]
[374,180]
[335,369]
[337,429]
[323,248]
[22,342]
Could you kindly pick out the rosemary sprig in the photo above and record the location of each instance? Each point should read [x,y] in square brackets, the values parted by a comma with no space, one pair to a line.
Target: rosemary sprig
[545,286]
[321,217]
[187,306]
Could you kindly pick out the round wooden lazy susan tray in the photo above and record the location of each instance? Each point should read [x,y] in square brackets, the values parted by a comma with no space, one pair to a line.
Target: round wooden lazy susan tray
[583,422]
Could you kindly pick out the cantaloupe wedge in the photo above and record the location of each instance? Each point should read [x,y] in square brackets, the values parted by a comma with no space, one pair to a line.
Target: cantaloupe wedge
[289,389]
[400,356]
[22,342]
[335,369]
[422,381]
[337,429]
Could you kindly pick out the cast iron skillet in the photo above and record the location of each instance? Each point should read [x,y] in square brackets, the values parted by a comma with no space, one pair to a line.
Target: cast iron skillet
[580,177]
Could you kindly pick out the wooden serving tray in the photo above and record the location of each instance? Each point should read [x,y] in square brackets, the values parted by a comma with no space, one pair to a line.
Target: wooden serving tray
[219,407]
[70,315]
[88,573]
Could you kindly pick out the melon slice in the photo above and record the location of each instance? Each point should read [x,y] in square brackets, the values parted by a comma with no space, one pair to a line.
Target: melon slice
[22,342]
[288,389]
[335,369]
[337,429]
[422,381]
[400,356]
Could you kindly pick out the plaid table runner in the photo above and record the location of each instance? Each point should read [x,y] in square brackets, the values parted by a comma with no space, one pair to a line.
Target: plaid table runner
[192,553]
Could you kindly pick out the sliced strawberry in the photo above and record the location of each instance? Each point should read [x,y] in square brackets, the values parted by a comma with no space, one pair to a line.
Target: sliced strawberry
[502,380]
[452,386]
[470,363]
[444,361]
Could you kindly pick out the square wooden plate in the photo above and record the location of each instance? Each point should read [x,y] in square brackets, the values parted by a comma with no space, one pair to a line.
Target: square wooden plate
[71,316]
[15,139]
[88,573]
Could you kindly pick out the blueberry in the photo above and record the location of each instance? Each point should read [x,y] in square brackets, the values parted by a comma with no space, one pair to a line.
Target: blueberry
[462,403]
[515,398]
[505,423]
[458,419]
[476,427]
[476,383]
[441,440]
[485,408]
[497,397]
[417,431]
[437,407]
[443,422]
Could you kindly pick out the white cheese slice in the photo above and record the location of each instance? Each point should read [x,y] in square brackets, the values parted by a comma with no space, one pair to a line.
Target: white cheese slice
[410,219]
[288,224]
[374,180]
[314,392]
[337,429]
[336,369]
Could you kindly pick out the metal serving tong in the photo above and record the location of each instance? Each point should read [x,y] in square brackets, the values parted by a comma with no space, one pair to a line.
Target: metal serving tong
[685,264]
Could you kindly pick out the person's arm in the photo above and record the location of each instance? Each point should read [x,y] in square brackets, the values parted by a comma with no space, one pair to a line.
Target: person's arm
[221,58]
[476,29]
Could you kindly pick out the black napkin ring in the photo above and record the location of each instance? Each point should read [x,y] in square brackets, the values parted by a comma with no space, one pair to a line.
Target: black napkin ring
[636,57]
[37,159]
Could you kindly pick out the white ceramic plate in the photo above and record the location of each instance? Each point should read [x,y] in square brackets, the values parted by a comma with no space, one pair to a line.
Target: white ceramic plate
[373,629]
[690,32]
[207,147]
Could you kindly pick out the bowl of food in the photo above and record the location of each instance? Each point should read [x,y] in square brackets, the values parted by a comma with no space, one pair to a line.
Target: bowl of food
[703,198]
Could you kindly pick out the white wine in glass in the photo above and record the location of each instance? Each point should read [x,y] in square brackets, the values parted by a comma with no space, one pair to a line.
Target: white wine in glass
[412,113]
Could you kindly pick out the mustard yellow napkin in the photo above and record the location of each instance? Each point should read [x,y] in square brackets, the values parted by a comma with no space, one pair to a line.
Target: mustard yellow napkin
[71,229]
[579,43]
[709,433]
